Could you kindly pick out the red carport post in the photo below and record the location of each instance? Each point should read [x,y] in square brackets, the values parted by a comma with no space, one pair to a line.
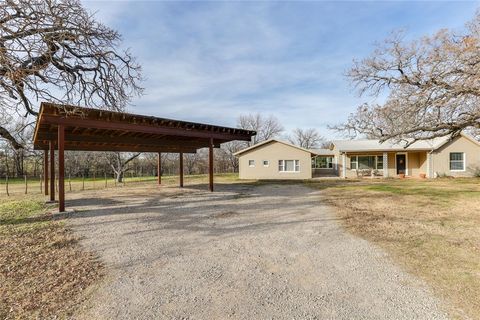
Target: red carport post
[210,164]
[52,170]
[181,169]
[61,168]
[45,170]
[159,168]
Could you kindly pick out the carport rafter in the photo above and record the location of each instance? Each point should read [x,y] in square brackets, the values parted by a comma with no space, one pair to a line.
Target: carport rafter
[64,127]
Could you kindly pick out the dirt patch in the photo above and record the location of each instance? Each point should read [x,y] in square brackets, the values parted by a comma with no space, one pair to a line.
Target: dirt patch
[43,271]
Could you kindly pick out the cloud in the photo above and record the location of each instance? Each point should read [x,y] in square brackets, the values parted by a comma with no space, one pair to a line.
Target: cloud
[211,61]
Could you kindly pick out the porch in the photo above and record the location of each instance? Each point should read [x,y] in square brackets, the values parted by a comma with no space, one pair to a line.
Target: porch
[385,164]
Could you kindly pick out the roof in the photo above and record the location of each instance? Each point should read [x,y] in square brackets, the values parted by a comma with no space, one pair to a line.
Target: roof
[99,130]
[322,152]
[375,145]
[312,151]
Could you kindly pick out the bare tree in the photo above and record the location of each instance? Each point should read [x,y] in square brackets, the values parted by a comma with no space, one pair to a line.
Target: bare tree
[119,163]
[308,138]
[267,127]
[55,50]
[430,86]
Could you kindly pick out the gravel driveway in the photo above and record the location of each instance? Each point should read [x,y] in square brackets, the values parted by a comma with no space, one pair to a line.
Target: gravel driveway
[243,252]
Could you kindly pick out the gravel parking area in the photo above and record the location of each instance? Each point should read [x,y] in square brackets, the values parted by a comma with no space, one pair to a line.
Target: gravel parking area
[242,252]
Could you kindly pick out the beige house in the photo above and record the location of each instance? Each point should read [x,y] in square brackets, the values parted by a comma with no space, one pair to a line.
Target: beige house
[274,159]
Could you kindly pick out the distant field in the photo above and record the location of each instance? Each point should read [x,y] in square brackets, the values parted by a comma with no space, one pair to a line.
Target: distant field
[432,227]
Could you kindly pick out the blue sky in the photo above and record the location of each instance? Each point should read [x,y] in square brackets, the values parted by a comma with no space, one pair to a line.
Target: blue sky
[212,61]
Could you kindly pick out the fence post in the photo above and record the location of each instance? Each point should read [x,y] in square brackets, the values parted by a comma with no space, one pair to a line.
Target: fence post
[69,181]
[105,174]
[83,181]
[26,184]
[94,179]
[41,185]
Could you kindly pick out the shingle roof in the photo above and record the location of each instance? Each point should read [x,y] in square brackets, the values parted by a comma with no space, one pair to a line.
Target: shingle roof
[375,145]
[322,152]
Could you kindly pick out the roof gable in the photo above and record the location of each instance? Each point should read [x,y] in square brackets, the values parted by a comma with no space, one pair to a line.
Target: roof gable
[255,146]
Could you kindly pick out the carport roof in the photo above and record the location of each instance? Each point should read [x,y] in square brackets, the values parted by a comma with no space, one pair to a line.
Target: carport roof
[99,130]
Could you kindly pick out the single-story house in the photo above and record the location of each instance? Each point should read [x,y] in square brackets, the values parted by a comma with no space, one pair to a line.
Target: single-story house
[274,159]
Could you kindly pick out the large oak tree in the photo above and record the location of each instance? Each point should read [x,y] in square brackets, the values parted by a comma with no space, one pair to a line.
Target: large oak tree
[54,50]
[422,89]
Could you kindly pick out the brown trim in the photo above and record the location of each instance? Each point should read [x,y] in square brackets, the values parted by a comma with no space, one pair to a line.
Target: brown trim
[180,155]
[45,171]
[61,168]
[52,170]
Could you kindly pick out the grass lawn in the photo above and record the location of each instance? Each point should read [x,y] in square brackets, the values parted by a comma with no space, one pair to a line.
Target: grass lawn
[431,227]
[43,271]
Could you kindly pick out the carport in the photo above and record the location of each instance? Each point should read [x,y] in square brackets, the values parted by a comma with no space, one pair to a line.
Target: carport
[65,127]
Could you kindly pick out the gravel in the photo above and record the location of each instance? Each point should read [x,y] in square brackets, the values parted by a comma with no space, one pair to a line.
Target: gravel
[242,252]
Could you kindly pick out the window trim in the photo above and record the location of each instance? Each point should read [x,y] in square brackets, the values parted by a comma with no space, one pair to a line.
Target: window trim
[281,164]
[463,161]
[320,156]
[251,165]
[366,155]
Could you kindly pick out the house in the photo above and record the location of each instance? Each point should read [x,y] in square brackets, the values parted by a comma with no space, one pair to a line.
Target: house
[274,159]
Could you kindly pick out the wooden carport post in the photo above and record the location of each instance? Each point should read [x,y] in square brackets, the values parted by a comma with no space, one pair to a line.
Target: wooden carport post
[210,164]
[61,168]
[52,170]
[45,171]
[159,167]
[181,169]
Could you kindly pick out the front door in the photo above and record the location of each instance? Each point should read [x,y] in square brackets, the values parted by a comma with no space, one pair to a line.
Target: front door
[401,163]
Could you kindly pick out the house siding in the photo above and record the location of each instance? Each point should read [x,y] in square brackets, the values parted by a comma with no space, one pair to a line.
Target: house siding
[273,152]
[441,157]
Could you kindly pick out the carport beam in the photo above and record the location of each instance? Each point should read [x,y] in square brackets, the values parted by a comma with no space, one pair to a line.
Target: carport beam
[159,167]
[61,168]
[210,165]
[45,171]
[181,169]
[52,170]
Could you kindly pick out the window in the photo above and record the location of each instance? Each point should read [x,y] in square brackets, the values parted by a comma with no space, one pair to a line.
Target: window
[266,163]
[457,161]
[288,165]
[366,162]
[251,163]
[353,162]
[379,162]
[322,162]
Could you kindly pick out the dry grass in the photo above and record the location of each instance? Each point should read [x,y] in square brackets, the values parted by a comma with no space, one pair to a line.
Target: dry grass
[432,227]
[43,271]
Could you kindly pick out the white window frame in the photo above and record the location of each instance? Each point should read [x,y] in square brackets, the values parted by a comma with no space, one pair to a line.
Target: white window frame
[281,164]
[366,155]
[266,161]
[464,162]
[332,162]
[251,165]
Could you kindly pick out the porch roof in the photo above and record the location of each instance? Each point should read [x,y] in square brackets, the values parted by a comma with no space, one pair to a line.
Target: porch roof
[375,145]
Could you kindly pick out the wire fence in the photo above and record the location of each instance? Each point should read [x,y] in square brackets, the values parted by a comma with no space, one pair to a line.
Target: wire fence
[35,185]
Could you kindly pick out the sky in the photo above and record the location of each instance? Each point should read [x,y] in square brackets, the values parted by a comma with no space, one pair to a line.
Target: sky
[213,61]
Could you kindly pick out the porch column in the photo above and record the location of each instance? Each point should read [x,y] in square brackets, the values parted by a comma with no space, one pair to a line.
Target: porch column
[385,165]
[159,167]
[52,170]
[181,169]
[61,168]
[45,171]
[210,165]
[429,165]
[344,165]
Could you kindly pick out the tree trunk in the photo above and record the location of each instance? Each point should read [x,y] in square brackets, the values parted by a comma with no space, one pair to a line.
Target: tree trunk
[119,176]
